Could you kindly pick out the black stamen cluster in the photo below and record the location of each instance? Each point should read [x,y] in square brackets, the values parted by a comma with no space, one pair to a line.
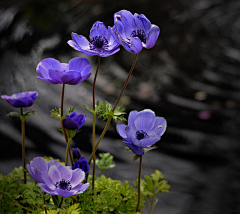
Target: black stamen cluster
[141,134]
[64,184]
[98,42]
[140,34]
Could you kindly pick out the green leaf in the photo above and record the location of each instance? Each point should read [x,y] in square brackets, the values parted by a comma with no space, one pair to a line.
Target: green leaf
[89,109]
[56,112]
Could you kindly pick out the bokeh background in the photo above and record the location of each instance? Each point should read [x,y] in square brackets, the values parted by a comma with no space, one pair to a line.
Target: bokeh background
[191,77]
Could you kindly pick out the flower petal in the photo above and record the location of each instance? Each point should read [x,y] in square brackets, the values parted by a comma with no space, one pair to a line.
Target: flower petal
[78,64]
[81,41]
[64,193]
[121,129]
[54,174]
[40,164]
[98,29]
[136,45]
[136,150]
[145,120]
[146,23]
[131,119]
[152,36]
[66,173]
[149,141]
[159,126]
[61,77]
[48,181]
[45,188]
[77,177]
[53,162]
[49,63]
[47,80]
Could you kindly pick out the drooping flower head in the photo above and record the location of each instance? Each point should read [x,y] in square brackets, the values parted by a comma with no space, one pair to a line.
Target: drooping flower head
[101,42]
[134,32]
[39,165]
[74,121]
[23,99]
[143,130]
[54,72]
[63,181]
[82,164]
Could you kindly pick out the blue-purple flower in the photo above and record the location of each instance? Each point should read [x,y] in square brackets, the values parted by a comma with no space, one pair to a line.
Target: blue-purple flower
[39,165]
[143,130]
[54,72]
[74,121]
[134,32]
[23,99]
[101,42]
[82,164]
[76,153]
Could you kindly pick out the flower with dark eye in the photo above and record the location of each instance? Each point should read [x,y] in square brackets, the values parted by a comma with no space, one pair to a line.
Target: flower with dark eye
[143,130]
[134,32]
[101,42]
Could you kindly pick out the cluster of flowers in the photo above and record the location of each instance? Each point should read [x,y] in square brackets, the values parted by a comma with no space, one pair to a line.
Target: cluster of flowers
[133,32]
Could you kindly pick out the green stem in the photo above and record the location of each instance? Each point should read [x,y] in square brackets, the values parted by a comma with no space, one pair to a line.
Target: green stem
[44,202]
[60,204]
[66,159]
[153,205]
[110,118]
[23,147]
[64,132]
[24,208]
[139,182]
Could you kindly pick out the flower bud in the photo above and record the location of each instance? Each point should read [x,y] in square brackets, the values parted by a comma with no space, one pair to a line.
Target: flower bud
[82,164]
[76,153]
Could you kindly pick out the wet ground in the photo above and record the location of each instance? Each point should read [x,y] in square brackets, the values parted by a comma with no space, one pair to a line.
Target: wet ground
[191,77]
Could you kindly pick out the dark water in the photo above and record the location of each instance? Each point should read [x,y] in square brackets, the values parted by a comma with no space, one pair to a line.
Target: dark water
[191,77]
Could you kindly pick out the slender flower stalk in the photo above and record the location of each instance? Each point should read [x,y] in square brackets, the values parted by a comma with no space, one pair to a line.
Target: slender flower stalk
[67,151]
[139,182]
[118,100]
[153,204]
[23,147]
[94,123]
[44,202]
[60,204]
[64,131]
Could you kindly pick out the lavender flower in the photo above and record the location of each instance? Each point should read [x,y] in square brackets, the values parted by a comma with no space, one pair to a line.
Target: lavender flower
[74,121]
[54,72]
[39,165]
[63,181]
[101,42]
[144,129]
[82,164]
[134,32]
[23,99]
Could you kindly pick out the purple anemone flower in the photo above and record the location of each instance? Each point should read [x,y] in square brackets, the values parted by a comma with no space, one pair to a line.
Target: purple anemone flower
[101,42]
[54,72]
[63,181]
[39,165]
[134,32]
[143,130]
[82,164]
[74,121]
[23,99]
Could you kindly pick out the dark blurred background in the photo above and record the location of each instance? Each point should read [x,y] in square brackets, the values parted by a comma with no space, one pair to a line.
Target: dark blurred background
[191,77]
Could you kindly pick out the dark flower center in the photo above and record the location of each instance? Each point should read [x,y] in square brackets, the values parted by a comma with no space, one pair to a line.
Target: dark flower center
[140,34]
[98,42]
[64,184]
[141,134]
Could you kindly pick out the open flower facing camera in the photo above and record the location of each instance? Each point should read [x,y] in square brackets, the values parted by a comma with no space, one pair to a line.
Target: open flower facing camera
[143,130]
[101,42]
[65,186]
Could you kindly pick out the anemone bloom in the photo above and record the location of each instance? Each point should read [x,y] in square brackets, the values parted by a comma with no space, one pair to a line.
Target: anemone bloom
[101,42]
[63,181]
[54,72]
[39,165]
[134,32]
[143,130]
[74,121]
[23,99]
[82,164]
